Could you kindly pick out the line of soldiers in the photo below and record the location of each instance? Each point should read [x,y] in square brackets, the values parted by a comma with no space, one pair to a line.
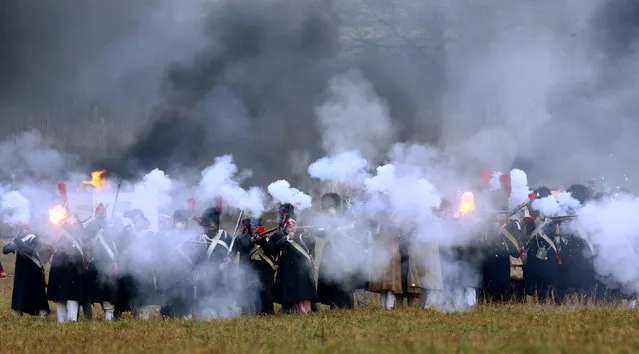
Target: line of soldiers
[129,268]
[529,256]
[189,270]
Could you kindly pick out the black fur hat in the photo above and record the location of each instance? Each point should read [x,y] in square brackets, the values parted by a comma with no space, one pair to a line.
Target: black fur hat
[581,192]
[250,223]
[445,205]
[210,219]
[287,211]
[542,192]
[600,196]
[331,200]
[181,215]
[137,214]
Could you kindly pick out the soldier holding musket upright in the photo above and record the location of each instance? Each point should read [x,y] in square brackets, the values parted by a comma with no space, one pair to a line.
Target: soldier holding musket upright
[102,263]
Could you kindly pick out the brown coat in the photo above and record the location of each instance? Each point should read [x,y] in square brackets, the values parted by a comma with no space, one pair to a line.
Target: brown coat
[388,278]
[416,271]
[424,268]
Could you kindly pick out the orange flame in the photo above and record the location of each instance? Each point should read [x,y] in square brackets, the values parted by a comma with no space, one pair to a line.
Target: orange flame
[466,203]
[57,214]
[97,180]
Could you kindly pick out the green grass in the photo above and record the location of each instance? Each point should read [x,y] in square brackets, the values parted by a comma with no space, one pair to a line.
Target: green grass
[513,328]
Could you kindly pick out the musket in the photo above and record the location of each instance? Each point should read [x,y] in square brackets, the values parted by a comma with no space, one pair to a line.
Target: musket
[277,228]
[518,208]
[62,189]
[197,242]
[85,220]
[561,218]
[237,225]
[306,227]
[115,202]
[493,211]
[339,228]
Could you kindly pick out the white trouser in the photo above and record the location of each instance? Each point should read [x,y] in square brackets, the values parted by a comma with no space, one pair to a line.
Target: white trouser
[471,297]
[142,313]
[361,297]
[464,297]
[108,309]
[388,300]
[67,311]
[209,314]
[431,298]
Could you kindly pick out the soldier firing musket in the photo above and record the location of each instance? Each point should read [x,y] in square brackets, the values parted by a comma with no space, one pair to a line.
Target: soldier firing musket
[66,276]
[295,285]
[256,254]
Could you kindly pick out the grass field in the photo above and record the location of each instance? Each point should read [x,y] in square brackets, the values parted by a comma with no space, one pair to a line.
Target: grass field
[504,329]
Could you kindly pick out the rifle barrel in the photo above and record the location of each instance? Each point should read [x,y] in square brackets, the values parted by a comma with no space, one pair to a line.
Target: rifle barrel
[269,231]
[562,217]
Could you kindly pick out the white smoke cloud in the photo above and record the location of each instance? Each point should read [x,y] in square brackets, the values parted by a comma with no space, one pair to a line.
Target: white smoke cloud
[31,154]
[222,179]
[495,183]
[609,227]
[283,192]
[383,180]
[15,208]
[347,167]
[353,117]
[155,186]
[408,196]
[562,204]
[520,190]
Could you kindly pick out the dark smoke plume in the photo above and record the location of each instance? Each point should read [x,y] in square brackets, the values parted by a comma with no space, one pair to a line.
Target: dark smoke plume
[251,86]
[252,91]
[246,76]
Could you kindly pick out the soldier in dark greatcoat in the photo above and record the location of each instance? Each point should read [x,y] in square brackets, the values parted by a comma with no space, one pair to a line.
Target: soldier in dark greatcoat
[256,253]
[295,287]
[102,266]
[336,287]
[211,261]
[176,281]
[66,276]
[29,284]
[137,283]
